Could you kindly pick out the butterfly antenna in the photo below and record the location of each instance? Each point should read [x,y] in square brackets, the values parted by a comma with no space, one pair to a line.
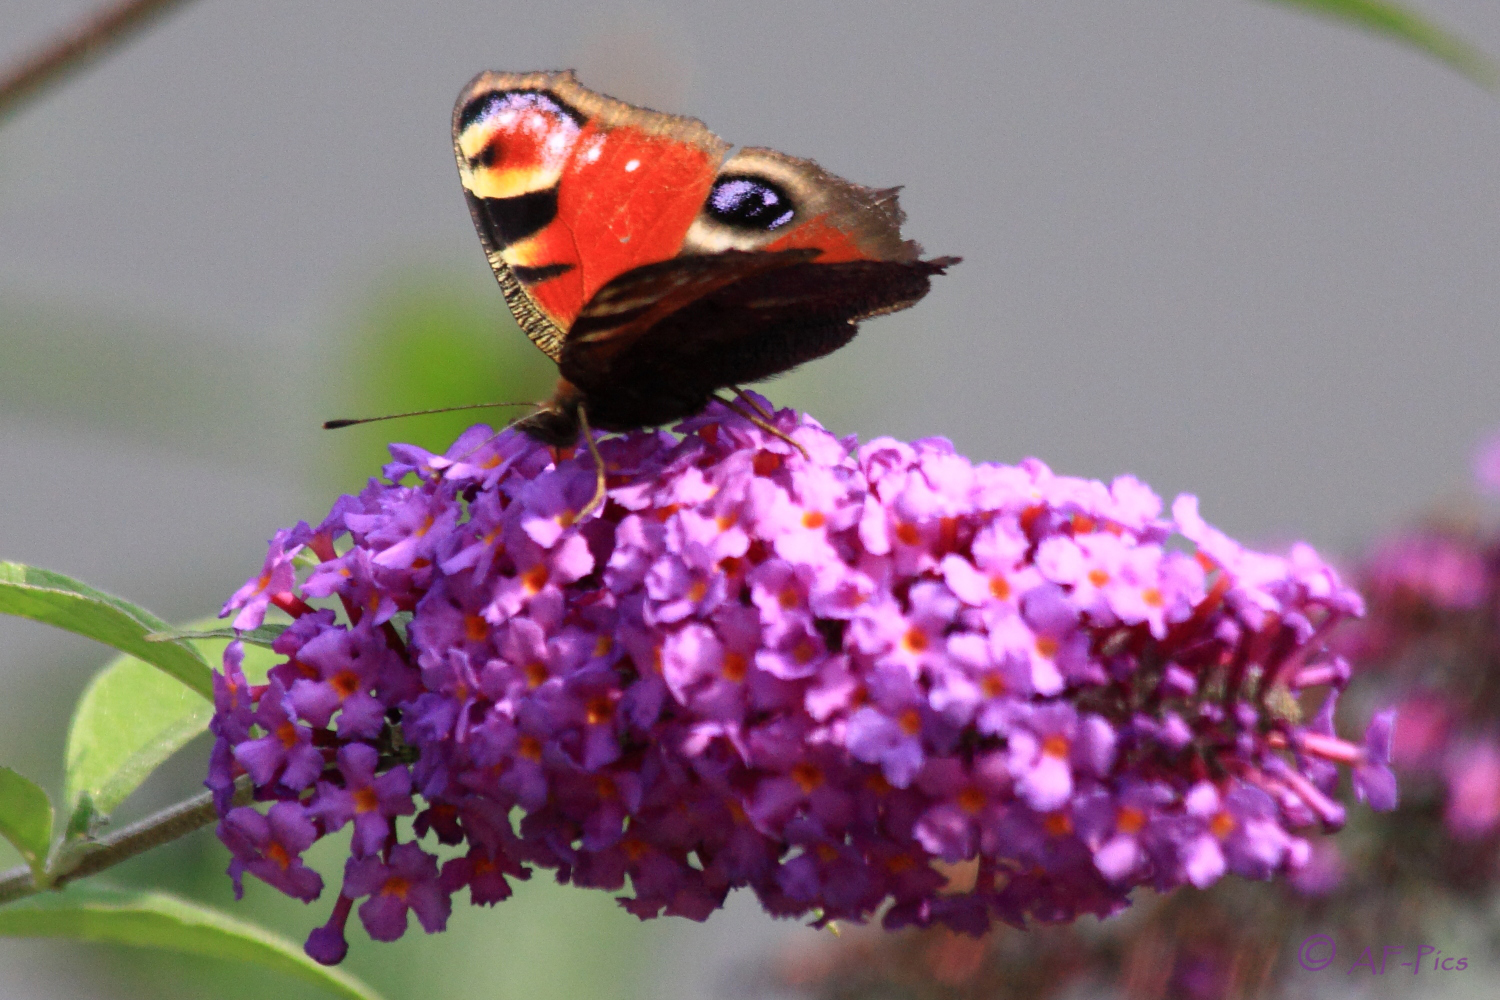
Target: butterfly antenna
[492,437]
[333,425]
[588,437]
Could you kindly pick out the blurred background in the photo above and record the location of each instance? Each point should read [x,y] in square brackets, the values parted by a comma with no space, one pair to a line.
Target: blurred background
[1234,250]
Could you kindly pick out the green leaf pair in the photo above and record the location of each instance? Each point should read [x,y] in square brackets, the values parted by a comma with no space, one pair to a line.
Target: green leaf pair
[145,704]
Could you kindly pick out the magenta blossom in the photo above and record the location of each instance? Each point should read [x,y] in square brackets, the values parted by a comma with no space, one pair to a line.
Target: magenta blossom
[811,671]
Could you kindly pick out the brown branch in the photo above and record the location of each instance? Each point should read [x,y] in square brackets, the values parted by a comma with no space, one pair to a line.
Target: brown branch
[76,47]
[91,857]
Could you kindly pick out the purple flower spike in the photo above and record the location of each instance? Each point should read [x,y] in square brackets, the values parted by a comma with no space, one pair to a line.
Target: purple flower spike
[812,676]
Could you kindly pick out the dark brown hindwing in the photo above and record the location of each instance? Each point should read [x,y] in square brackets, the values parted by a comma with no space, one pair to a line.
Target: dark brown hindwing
[769,319]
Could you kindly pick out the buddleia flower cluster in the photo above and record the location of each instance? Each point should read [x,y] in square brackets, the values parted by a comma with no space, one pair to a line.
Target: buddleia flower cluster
[1429,643]
[819,671]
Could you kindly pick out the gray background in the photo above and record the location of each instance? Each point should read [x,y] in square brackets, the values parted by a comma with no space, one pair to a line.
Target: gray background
[1237,251]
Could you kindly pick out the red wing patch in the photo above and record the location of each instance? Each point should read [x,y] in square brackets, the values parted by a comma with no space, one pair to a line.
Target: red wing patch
[628,198]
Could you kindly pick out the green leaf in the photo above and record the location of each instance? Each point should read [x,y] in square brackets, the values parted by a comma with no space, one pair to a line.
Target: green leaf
[429,339]
[62,601]
[25,818]
[263,636]
[131,718]
[1406,25]
[159,920]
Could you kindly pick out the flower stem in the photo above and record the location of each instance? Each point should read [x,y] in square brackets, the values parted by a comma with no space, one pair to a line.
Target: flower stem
[89,857]
[71,50]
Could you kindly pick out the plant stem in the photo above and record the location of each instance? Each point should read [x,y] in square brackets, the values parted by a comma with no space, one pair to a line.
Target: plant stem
[90,857]
[76,47]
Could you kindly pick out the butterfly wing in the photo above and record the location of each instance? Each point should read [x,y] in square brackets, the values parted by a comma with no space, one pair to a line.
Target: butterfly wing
[569,188]
[657,341]
[652,269]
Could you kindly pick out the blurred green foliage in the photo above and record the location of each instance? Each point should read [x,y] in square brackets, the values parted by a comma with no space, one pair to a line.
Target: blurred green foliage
[1404,24]
[425,340]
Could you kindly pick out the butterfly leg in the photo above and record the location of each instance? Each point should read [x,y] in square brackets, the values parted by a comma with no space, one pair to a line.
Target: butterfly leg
[744,397]
[766,426]
[588,439]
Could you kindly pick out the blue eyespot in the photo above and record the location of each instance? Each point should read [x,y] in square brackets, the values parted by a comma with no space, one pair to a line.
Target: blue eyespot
[749,203]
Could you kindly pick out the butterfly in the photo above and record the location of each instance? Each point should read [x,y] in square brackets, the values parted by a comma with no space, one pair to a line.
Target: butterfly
[654,267]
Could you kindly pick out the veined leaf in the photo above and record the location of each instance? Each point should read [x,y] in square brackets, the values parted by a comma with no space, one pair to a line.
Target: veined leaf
[159,920]
[59,600]
[25,817]
[1404,24]
[132,717]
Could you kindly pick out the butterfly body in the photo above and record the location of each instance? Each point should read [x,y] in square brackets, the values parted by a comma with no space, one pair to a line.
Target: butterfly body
[655,268]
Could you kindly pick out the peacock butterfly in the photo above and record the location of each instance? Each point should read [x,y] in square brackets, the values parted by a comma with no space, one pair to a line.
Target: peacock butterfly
[655,268]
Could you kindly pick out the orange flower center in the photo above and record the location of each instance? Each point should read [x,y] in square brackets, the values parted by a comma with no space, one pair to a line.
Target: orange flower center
[365,800]
[1130,820]
[475,628]
[910,722]
[345,682]
[813,519]
[808,776]
[736,665]
[534,579]
[1055,745]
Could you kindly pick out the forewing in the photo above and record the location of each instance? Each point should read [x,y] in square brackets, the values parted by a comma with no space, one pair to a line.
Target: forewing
[569,188]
